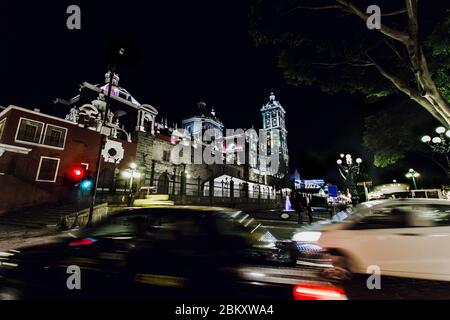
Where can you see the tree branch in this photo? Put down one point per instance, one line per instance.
(391, 33)
(440, 165)
(349, 63)
(412, 93)
(314, 8)
(347, 6)
(393, 13)
(394, 49)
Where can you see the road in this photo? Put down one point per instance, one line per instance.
(283, 229)
(16, 236)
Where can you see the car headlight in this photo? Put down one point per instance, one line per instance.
(307, 236)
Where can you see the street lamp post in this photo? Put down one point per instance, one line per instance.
(349, 171)
(414, 175)
(131, 173)
(440, 144)
(104, 118)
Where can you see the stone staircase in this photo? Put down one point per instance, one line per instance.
(38, 217)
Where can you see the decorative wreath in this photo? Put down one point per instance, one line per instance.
(113, 151)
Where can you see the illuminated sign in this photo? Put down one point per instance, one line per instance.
(312, 184)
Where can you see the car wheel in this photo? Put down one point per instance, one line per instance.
(340, 269)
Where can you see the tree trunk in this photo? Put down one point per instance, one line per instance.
(426, 94)
(426, 86)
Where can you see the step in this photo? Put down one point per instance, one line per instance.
(149, 203)
(157, 197)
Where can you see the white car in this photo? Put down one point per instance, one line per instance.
(407, 238)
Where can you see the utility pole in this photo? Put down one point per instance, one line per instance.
(103, 136)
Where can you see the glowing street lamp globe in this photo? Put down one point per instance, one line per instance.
(339, 162)
(359, 161)
(133, 165)
(440, 130)
(426, 139)
(436, 140)
(448, 133)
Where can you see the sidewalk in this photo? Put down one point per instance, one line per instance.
(32, 225)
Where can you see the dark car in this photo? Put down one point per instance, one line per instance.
(162, 253)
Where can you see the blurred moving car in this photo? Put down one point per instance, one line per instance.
(406, 239)
(162, 253)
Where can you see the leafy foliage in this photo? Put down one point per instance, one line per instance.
(333, 49)
(438, 45)
(394, 131)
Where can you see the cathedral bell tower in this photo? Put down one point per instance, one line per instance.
(274, 123)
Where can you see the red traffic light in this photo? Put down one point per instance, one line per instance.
(77, 173)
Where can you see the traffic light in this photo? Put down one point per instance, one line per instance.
(80, 178)
(77, 173)
(86, 184)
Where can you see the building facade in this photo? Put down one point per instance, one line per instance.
(37, 150)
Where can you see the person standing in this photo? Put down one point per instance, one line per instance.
(298, 206)
(309, 209)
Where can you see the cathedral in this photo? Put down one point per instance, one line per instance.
(52, 145)
(137, 123)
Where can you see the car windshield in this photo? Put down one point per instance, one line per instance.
(419, 213)
(360, 211)
(160, 223)
(242, 223)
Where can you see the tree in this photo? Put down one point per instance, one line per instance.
(393, 132)
(328, 43)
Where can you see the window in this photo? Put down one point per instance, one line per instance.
(55, 136)
(29, 131)
(123, 95)
(166, 155)
(386, 218)
(2, 127)
(432, 215)
(47, 170)
(120, 226)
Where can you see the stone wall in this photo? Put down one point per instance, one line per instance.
(153, 159)
(237, 203)
(17, 194)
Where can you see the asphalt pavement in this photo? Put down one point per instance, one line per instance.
(284, 229)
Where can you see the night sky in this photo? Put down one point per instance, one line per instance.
(178, 53)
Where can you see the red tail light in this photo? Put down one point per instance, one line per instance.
(318, 292)
(82, 242)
